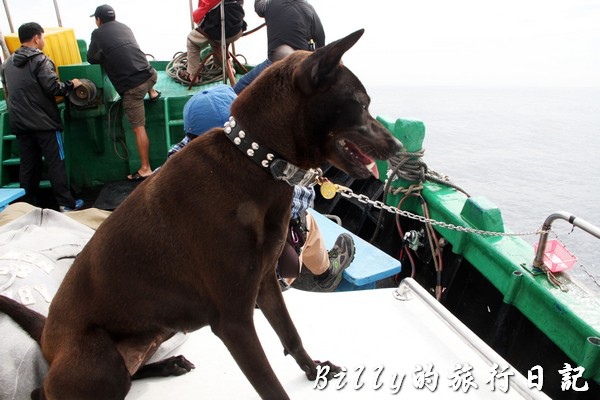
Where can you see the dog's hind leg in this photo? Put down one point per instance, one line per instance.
(238, 333)
(270, 300)
(89, 367)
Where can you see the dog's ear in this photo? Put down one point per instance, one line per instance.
(318, 71)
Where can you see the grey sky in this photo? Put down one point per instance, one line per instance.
(418, 42)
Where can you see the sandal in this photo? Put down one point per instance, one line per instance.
(135, 177)
(187, 79)
(155, 98)
(184, 76)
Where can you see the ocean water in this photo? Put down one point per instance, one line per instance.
(530, 151)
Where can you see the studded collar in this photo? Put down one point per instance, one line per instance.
(269, 160)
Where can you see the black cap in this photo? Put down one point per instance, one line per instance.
(104, 12)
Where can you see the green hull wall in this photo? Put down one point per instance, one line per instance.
(570, 319)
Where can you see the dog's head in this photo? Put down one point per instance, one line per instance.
(319, 111)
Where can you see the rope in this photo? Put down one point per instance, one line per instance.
(211, 72)
(410, 167)
(254, 30)
(553, 279)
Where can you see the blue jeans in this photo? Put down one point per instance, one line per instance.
(250, 76)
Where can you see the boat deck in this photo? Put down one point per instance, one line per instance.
(380, 340)
(381, 336)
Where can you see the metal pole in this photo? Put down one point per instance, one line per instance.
(192, 14)
(10, 24)
(57, 13)
(5, 51)
(570, 218)
(223, 44)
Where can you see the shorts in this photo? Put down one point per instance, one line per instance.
(133, 101)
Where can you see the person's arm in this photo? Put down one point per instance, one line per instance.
(204, 6)
(94, 53)
(49, 81)
(260, 6)
(319, 32)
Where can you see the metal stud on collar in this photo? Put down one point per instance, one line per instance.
(268, 159)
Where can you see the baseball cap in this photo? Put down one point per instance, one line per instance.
(207, 109)
(104, 12)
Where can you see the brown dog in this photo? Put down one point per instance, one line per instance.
(197, 244)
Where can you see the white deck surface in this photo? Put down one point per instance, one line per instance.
(361, 329)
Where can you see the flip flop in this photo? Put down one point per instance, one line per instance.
(155, 98)
(184, 76)
(136, 177)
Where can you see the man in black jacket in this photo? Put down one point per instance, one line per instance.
(30, 83)
(113, 46)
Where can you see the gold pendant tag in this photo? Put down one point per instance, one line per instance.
(328, 190)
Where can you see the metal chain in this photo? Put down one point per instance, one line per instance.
(361, 198)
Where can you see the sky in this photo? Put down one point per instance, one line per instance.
(417, 42)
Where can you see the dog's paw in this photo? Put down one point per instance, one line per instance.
(322, 368)
(177, 365)
(172, 366)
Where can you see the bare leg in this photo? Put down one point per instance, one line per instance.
(314, 254)
(143, 145)
(152, 93)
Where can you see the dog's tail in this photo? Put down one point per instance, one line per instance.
(31, 321)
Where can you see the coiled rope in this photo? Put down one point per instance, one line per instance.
(211, 71)
(410, 167)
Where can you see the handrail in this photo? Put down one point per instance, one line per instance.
(570, 218)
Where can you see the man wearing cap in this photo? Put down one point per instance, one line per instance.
(204, 110)
(114, 46)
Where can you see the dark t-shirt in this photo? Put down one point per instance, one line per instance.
(290, 22)
(113, 46)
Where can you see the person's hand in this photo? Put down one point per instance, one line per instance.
(76, 83)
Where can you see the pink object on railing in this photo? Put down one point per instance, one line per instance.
(557, 257)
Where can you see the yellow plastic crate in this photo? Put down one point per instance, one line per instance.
(61, 45)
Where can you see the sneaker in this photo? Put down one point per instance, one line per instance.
(78, 205)
(340, 257)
